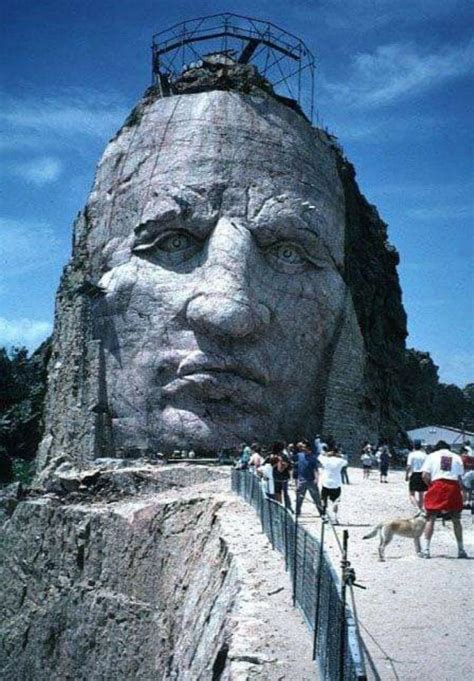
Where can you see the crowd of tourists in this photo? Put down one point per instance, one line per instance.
(308, 465)
(440, 482)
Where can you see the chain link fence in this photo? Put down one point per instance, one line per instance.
(317, 590)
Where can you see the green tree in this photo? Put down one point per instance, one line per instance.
(22, 390)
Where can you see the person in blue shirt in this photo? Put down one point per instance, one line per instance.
(307, 477)
(318, 445)
(245, 453)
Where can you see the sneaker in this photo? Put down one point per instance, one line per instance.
(425, 553)
(462, 554)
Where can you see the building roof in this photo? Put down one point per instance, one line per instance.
(430, 435)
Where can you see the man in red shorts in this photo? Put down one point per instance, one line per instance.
(442, 471)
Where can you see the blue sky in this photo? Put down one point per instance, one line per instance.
(393, 83)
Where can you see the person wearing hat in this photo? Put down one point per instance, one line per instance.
(416, 485)
(442, 471)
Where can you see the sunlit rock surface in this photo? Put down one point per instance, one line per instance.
(144, 573)
(228, 282)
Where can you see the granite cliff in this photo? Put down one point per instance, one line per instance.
(225, 258)
(228, 281)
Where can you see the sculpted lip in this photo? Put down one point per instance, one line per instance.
(220, 384)
(206, 365)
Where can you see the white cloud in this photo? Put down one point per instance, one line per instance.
(23, 331)
(396, 71)
(440, 212)
(380, 128)
(366, 15)
(60, 117)
(39, 171)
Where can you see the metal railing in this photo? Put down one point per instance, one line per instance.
(317, 589)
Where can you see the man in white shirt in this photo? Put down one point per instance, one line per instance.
(332, 464)
(442, 472)
(416, 484)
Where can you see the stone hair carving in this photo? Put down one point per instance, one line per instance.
(206, 302)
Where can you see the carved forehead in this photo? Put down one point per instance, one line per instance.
(220, 153)
(220, 137)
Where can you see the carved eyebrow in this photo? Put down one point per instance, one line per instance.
(174, 219)
(283, 227)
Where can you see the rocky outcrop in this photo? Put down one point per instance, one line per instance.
(371, 274)
(150, 586)
(228, 283)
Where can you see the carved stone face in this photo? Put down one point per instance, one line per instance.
(221, 253)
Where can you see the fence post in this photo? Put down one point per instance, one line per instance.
(344, 565)
(303, 569)
(286, 540)
(270, 518)
(295, 561)
(318, 590)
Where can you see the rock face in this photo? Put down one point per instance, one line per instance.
(157, 586)
(218, 289)
(371, 275)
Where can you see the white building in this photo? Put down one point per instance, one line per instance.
(430, 435)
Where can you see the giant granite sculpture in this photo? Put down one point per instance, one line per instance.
(218, 289)
(228, 280)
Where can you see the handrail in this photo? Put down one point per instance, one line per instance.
(318, 591)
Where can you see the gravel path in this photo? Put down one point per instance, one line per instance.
(270, 639)
(416, 614)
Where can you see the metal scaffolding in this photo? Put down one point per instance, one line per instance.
(280, 57)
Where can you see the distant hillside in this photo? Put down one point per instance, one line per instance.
(426, 401)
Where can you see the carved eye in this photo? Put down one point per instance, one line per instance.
(288, 253)
(171, 248)
(286, 256)
(173, 243)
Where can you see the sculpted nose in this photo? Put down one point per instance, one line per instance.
(224, 303)
(226, 315)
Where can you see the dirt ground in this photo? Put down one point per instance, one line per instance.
(415, 614)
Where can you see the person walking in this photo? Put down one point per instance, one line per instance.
(366, 460)
(318, 445)
(331, 479)
(344, 472)
(281, 476)
(442, 472)
(244, 458)
(266, 474)
(256, 459)
(416, 485)
(307, 477)
(384, 461)
(468, 477)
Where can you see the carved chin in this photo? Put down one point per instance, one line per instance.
(202, 427)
